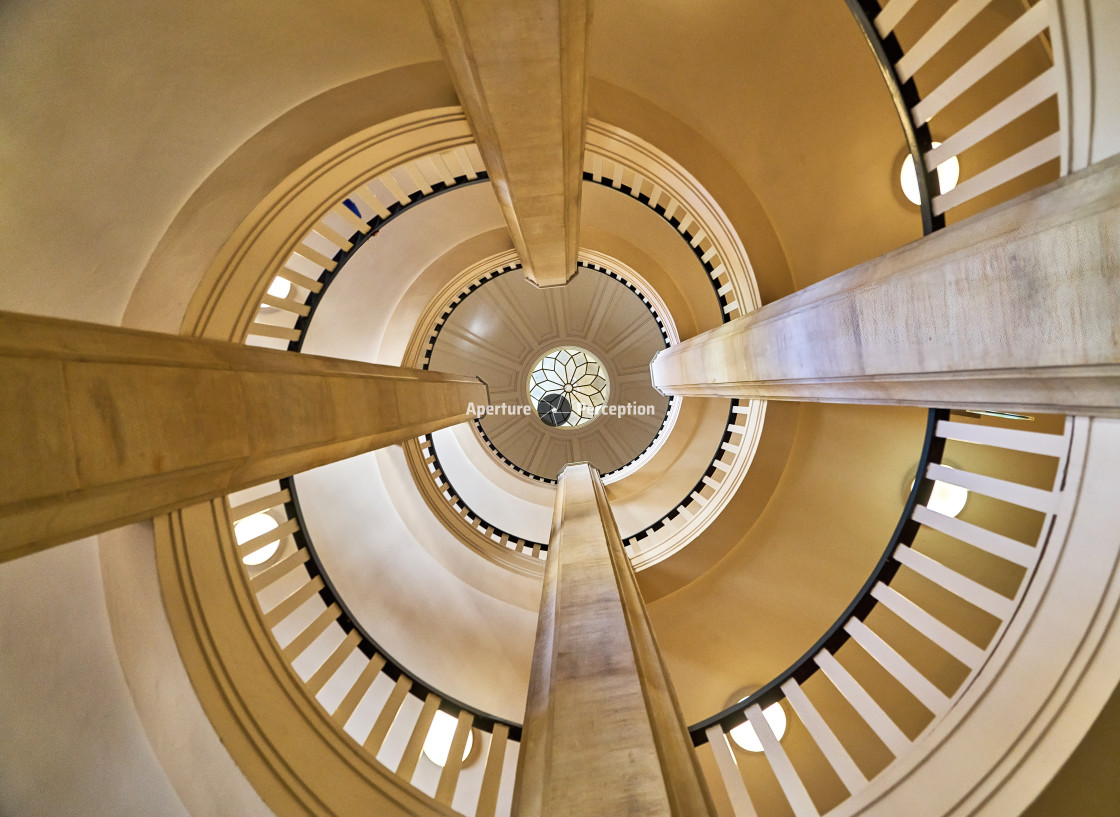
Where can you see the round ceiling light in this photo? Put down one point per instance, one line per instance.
(745, 736)
(441, 733)
(948, 174)
(568, 387)
(280, 288)
(249, 529)
(945, 498)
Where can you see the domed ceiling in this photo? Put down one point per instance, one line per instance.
(589, 399)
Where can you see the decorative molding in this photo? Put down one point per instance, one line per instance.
(231, 292)
(298, 760)
(665, 186)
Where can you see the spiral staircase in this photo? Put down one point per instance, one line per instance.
(791, 555)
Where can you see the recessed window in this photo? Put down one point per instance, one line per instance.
(745, 736)
(568, 387)
(248, 529)
(948, 174)
(441, 733)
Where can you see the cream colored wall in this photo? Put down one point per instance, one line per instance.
(392, 560)
(177, 729)
(493, 490)
(116, 114)
(269, 161)
(73, 743)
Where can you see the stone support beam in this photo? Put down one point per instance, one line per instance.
(603, 732)
(102, 426)
(520, 70)
(1015, 309)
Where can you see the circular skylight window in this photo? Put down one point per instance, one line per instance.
(568, 387)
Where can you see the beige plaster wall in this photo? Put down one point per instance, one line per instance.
(115, 113)
(73, 743)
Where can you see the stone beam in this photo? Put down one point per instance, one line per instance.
(102, 426)
(520, 70)
(603, 731)
(1015, 309)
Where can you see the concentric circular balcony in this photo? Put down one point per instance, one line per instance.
(908, 652)
(361, 633)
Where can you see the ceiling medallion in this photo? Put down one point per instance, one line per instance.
(568, 387)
